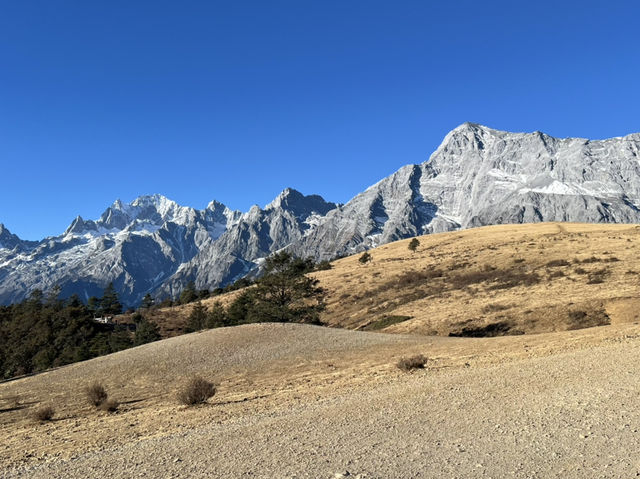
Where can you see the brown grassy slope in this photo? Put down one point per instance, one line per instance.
(507, 279)
(494, 280)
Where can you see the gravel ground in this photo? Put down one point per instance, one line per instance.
(573, 414)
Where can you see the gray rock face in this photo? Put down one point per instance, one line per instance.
(257, 233)
(154, 245)
(137, 246)
(478, 176)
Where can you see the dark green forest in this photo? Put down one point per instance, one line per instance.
(44, 332)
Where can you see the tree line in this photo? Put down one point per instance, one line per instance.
(284, 293)
(45, 331)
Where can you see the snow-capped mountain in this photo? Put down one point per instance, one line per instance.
(153, 245)
(259, 232)
(478, 176)
(138, 246)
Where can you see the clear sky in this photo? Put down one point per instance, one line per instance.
(236, 100)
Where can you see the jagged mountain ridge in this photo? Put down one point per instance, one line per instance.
(142, 247)
(477, 176)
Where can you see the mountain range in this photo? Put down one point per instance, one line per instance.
(478, 176)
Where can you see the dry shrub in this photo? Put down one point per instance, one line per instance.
(495, 307)
(511, 279)
(556, 274)
(557, 263)
(592, 259)
(109, 405)
(461, 265)
(414, 362)
(587, 319)
(96, 394)
(197, 391)
(410, 278)
(598, 276)
(386, 321)
(500, 328)
(44, 413)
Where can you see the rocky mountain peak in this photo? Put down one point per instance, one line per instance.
(477, 176)
(300, 205)
(9, 241)
(80, 226)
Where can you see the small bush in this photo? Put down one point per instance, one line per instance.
(556, 274)
(365, 258)
(460, 265)
(197, 391)
(413, 245)
(557, 263)
(592, 259)
(598, 276)
(109, 405)
(414, 362)
(323, 266)
(412, 277)
(495, 307)
(96, 394)
(44, 413)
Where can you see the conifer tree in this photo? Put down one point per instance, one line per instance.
(147, 301)
(197, 318)
(365, 258)
(146, 332)
(217, 316)
(285, 293)
(110, 304)
(189, 293)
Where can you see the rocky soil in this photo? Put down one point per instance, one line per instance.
(559, 404)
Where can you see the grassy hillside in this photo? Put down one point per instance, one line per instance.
(496, 280)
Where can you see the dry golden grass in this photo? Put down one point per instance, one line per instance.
(508, 279)
(523, 278)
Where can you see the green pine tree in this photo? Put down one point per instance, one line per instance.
(198, 318)
(146, 332)
(147, 301)
(217, 316)
(189, 293)
(110, 304)
(285, 293)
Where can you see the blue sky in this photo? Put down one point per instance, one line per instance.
(235, 101)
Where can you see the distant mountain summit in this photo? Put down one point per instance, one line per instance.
(153, 245)
(480, 176)
(477, 176)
